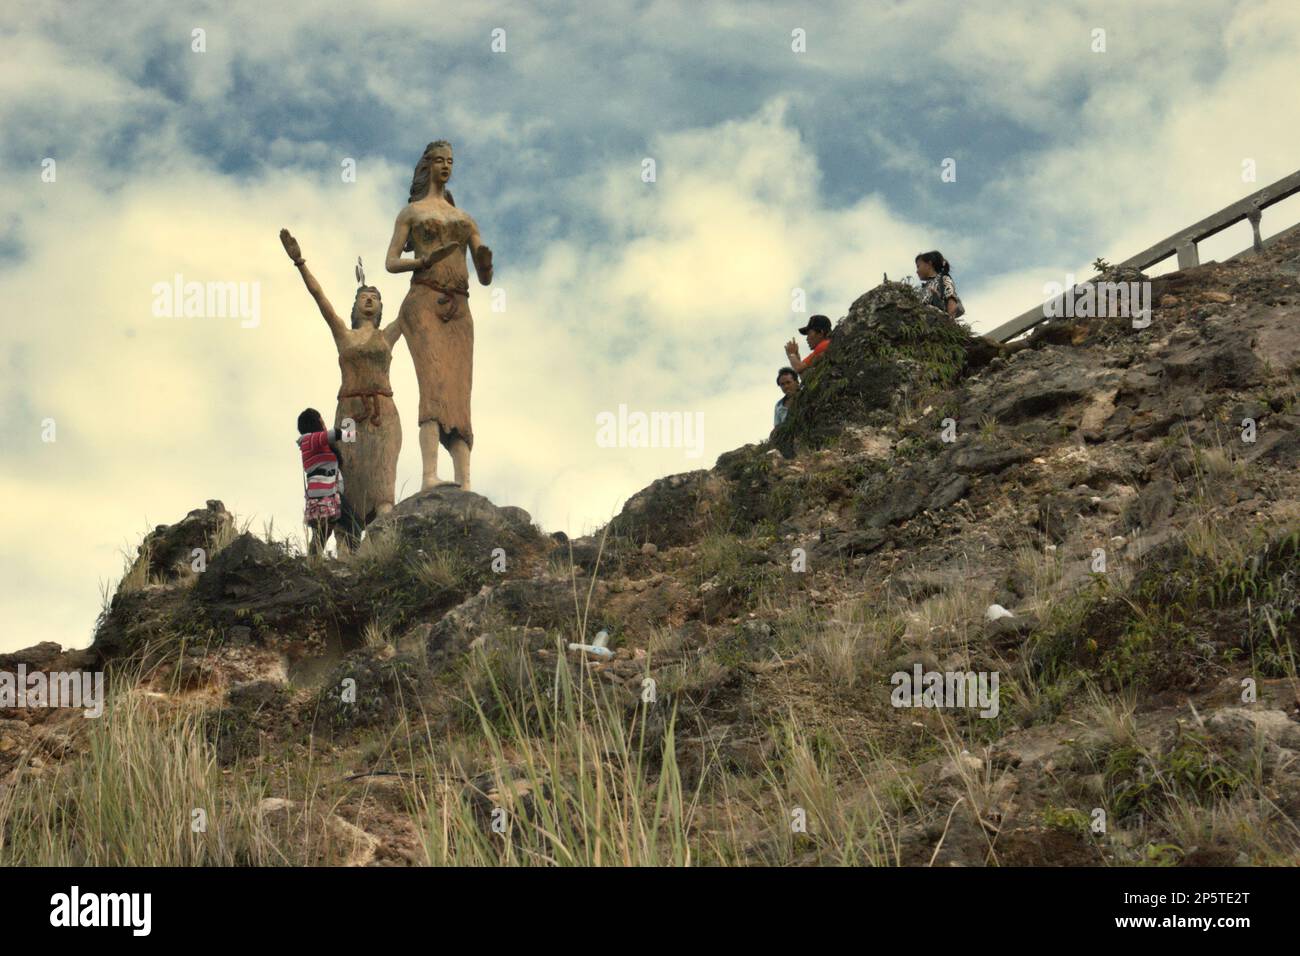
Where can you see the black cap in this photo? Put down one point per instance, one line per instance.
(818, 323)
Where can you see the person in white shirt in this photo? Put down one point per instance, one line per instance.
(937, 287)
(788, 380)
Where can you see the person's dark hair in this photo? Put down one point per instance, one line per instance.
(937, 262)
(379, 316)
(786, 371)
(422, 179)
(310, 421)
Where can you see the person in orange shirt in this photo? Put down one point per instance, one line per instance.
(818, 334)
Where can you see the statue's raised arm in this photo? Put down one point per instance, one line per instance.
(332, 319)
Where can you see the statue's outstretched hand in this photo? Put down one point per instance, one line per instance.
(290, 246)
(483, 264)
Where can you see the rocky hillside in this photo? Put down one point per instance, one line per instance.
(1101, 519)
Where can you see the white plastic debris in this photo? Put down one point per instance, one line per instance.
(596, 647)
(996, 612)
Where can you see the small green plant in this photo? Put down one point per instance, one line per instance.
(1162, 854)
(1142, 782)
(1068, 819)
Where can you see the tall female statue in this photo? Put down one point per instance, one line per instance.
(366, 397)
(435, 315)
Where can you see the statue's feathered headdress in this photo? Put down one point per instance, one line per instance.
(361, 273)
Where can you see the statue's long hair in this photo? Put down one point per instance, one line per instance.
(423, 177)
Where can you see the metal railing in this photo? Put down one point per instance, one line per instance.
(1181, 244)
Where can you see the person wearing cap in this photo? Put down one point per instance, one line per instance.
(818, 334)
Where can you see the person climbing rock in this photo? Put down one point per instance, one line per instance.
(322, 477)
(788, 381)
(818, 335)
(937, 287)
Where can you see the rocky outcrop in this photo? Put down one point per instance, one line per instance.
(671, 511)
(170, 551)
(888, 348)
(449, 519)
(256, 580)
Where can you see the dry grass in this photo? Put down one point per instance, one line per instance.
(570, 779)
(950, 620)
(849, 645)
(1257, 831)
(1113, 715)
(378, 547)
(1041, 572)
(851, 813)
(375, 635)
(975, 779)
(439, 571)
(132, 799)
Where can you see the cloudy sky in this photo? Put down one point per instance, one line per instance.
(775, 169)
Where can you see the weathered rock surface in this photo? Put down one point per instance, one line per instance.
(255, 580)
(465, 523)
(169, 551)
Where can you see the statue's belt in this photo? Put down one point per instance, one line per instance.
(449, 294)
(370, 403)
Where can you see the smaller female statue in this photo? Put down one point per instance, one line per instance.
(366, 397)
